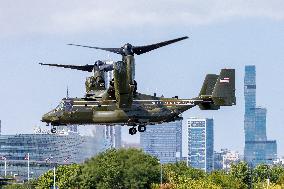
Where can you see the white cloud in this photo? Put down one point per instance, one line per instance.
(66, 16)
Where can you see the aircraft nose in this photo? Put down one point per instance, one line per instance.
(45, 118)
(49, 117)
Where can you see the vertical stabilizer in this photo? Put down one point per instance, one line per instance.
(224, 90)
(208, 85)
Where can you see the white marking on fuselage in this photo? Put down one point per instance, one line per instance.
(166, 102)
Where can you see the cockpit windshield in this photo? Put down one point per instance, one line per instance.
(65, 105)
(60, 106)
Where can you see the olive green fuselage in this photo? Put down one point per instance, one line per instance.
(145, 109)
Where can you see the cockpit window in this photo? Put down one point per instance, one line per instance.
(68, 105)
(60, 106)
(65, 105)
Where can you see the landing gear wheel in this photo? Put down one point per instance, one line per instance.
(141, 128)
(53, 130)
(132, 131)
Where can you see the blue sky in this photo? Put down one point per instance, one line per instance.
(222, 34)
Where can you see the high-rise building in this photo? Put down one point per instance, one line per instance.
(113, 136)
(200, 143)
(257, 148)
(163, 141)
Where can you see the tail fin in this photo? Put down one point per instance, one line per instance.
(208, 85)
(224, 90)
(206, 92)
(218, 90)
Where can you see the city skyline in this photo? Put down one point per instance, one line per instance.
(221, 35)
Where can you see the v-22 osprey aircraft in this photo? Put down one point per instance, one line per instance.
(121, 104)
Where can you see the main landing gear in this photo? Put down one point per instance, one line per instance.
(133, 130)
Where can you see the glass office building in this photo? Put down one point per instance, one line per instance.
(258, 152)
(45, 150)
(163, 141)
(257, 148)
(200, 143)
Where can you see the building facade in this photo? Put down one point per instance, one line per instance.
(200, 143)
(163, 141)
(257, 148)
(113, 136)
(42, 151)
(225, 158)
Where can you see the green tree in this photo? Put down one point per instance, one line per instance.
(224, 180)
(275, 174)
(242, 173)
(185, 182)
(280, 179)
(67, 176)
(123, 168)
(261, 173)
(172, 172)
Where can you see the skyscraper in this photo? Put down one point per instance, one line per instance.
(200, 143)
(163, 141)
(257, 148)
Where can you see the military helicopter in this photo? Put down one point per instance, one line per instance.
(121, 104)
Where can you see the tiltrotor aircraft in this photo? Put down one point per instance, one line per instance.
(121, 104)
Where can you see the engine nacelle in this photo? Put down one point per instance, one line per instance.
(124, 81)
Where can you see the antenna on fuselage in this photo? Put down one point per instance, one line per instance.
(67, 93)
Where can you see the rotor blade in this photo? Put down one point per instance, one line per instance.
(143, 49)
(113, 50)
(87, 68)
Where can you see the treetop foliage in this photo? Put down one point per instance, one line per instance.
(132, 168)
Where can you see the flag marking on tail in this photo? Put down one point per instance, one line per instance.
(225, 80)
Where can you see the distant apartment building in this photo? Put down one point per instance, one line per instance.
(163, 141)
(257, 148)
(200, 143)
(225, 158)
(279, 161)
